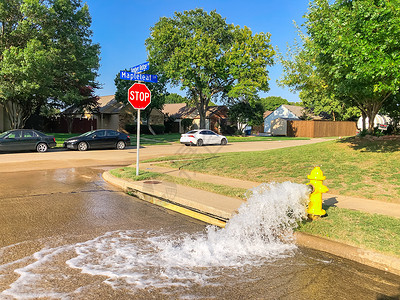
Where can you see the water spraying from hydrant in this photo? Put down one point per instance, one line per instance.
(316, 177)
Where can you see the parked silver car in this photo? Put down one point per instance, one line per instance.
(203, 137)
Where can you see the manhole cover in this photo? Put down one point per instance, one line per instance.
(152, 182)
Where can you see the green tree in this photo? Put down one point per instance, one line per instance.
(209, 58)
(355, 45)
(46, 56)
(158, 93)
(245, 113)
(175, 98)
(273, 102)
(301, 75)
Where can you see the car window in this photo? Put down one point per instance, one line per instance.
(14, 134)
(4, 134)
(211, 133)
(191, 132)
(28, 134)
(87, 133)
(111, 133)
(100, 133)
(38, 133)
(203, 132)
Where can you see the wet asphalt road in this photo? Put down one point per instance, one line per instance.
(60, 208)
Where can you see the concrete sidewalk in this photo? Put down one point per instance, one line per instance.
(365, 205)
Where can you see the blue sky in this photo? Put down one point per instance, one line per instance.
(122, 26)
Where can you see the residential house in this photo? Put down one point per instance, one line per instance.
(128, 116)
(107, 113)
(173, 115)
(284, 111)
(216, 116)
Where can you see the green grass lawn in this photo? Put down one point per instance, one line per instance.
(368, 231)
(356, 168)
(168, 138)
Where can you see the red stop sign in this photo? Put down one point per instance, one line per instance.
(139, 96)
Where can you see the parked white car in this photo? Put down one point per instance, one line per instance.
(202, 137)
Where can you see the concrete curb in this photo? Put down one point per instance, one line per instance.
(219, 218)
(366, 257)
(171, 201)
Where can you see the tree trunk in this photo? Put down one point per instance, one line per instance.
(70, 122)
(15, 115)
(148, 113)
(363, 119)
(202, 109)
(151, 129)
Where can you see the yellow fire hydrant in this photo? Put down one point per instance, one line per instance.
(318, 188)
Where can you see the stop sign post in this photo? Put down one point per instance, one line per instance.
(139, 96)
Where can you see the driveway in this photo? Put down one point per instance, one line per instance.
(60, 158)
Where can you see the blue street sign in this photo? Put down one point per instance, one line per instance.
(139, 77)
(141, 68)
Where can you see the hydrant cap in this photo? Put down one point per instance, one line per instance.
(316, 174)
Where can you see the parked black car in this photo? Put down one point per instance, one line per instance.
(98, 139)
(26, 139)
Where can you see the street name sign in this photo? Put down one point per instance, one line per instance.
(138, 77)
(141, 68)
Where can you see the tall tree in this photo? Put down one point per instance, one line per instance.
(272, 102)
(245, 113)
(46, 53)
(209, 58)
(356, 49)
(301, 75)
(175, 98)
(158, 93)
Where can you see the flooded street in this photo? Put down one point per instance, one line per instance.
(66, 234)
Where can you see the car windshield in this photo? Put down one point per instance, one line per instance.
(2, 135)
(191, 132)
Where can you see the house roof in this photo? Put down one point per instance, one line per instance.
(181, 111)
(298, 111)
(108, 105)
(219, 110)
(267, 113)
(103, 100)
(105, 105)
(176, 110)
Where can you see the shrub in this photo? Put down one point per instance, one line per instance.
(144, 129)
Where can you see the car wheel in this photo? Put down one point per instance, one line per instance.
(199, 142)
(82, 146)
(224, 142)
(41, 147)
(121, 145)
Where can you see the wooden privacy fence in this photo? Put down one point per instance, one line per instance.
(314, 129)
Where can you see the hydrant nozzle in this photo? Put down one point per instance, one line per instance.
(318, 188)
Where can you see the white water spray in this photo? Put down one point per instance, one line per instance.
(261, 231)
